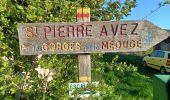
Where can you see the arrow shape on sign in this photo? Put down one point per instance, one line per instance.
(92, 37)
(153, 35)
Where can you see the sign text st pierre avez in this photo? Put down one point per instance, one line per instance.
(88, 37)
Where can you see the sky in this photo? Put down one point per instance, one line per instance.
(161, 17)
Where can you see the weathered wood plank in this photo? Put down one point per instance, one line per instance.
(88, 37)
(84, 63)
(84, 60)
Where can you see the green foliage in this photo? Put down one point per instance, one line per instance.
(136, 60)
(121, 80)
(18, 77)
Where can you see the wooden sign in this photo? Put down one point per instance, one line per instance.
(88, 37)
(86, 92)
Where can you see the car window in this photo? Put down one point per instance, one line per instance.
(154, 54)
(160, 54)
(168, 55)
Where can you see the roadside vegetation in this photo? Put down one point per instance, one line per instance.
(122, 74)
(121, 77)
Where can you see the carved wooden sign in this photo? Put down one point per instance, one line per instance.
(88, 37)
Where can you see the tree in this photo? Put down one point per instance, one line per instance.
(15, 68)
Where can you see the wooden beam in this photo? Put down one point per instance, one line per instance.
(84, 64)
(84, 60)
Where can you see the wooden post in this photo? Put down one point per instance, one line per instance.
(84, 63)
(84, 60)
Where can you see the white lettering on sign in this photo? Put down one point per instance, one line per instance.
(73, 86)
(81, 85)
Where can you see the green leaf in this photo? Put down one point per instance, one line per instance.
(19, 7)
(2, 8)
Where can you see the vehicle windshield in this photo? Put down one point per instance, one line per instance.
(159, 54)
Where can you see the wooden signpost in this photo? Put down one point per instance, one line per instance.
(85, 37)
(84, 60)
(88, 37)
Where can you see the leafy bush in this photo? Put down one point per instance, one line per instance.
(122, 81)
(14, 83)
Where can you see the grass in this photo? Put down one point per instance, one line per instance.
(136, 85)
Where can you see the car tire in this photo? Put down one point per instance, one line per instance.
(162, 70)
(145, 64)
